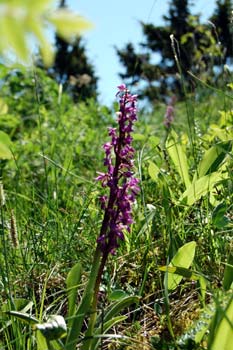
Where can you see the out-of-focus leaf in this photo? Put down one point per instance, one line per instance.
(139, 137)
(15, 36)
(68, 24)
(45, 47)
(154, 141)
(21, 19)
(3, 107)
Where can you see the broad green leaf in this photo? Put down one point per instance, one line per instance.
(3, 107)
(4, 138)
(45, 46)
(117, 294)
(5, 143)
(153, 170)
(15, 35)
(154, 141)
(212, 159)
(183, 258)
(224, 333)
(228, 272)
(138, 137)
(39, 6)
(40, 341)
(5, 152)
(68, 24)
(219, 220)
(181, 271)
(21, 19)
(72, 282)
(178, 155)
(201, 187)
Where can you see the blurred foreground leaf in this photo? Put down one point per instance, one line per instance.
(22, 19)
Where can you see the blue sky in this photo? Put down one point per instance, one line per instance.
(116, 22)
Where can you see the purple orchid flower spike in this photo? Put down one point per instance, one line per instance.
(119, 178)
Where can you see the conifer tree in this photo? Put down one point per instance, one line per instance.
(192, 50)
(223, 22)
(72, 68)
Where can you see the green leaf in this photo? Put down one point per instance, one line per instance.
(21, 305)
(219, 220)
(181, 271)
(46, 48)
(21, 19)
(84, 306)
(111, 318)
(212, 159)
(102, 329)
(117, 307)
(154, 141)
(139, 137)
(178, 155)
(72, 281)
(5, 153)
(23, 317)
(183, 258)
(224, 332)
(5, 143)
(3, 107)
(41, 341)
(15, 36)
(228, 272)
(153, 170)
(201, 187)
(68, 24)
(4, 138)
(117, 294)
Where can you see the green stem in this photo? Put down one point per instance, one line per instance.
(92, 321)
(85, 304)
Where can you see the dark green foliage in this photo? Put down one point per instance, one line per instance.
(73, 69)
(164, 62)
(134, 62)
(222, 19)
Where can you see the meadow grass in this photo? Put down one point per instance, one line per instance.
(51, 215)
